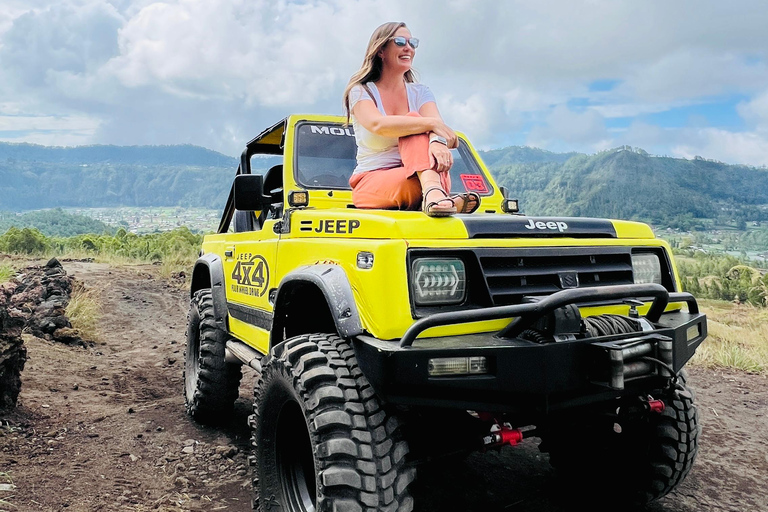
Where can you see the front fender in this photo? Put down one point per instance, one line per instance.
(209, 273)
(332, 281)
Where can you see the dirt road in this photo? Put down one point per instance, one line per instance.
(104, 429)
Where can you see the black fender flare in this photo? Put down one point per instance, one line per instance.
(209, 273)
(332, 281)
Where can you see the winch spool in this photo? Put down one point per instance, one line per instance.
(606, 325)
(565, 324)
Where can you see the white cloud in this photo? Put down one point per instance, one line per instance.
(214, 72)
(75, 39)
(563, 125)
(57, 123)
(690, 73)
(733, 147)
(755, 113)
(477, 115)
(260, 52)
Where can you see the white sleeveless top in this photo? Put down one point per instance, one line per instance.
(374, 151)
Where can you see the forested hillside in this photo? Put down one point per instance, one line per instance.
(627, 183)
(35, 177)
(622, 183)
(55, 222)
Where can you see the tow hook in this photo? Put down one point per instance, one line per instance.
(501, 435)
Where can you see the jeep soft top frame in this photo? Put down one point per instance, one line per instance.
(268, 142)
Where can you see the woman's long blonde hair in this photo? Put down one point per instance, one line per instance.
(370, 71)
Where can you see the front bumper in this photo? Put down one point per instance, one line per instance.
(524, 376)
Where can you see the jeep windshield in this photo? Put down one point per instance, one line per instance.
(325, 158)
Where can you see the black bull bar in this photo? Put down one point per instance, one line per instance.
(527, 314)
(525, 372)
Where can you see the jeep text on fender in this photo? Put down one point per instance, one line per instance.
(384, 338)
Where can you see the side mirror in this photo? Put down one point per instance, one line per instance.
(249, 193)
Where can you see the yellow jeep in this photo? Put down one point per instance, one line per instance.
(386, 338)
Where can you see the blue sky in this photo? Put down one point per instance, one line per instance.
(679, 78)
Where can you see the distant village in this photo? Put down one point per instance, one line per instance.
(155, 219)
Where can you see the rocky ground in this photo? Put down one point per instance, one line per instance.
(103, 428)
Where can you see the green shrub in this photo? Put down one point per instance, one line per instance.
(179, 245)
(24, 241)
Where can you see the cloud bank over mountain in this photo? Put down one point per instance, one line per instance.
(684, 78)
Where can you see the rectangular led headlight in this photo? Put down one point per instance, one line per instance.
(445, 366)
(438, 281)
(646, 268)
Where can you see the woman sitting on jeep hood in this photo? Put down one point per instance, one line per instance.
(403, 145)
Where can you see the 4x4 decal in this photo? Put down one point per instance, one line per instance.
(251, 273)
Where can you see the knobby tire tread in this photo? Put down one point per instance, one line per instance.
(669, 447)
(218, 382)
(359, 450)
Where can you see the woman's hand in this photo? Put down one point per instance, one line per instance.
(439, 127)
(442, 156)
(443, 130)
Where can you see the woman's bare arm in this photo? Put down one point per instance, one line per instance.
(368, 115)
(429, 109)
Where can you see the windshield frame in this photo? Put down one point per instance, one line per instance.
(464, 151)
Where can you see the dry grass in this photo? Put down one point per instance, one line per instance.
(7, 271)
(84, 312)
(738, 337)
(6, 486)
(178, 271)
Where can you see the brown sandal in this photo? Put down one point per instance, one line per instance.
(433, 208)
(470, 204)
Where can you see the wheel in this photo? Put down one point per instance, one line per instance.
(210, 383)
(321, 439)
(637, 457)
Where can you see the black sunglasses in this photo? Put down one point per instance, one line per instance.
(401, 41)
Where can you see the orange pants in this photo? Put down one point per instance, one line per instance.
(398, 188)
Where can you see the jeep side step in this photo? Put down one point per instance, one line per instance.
(239, 352)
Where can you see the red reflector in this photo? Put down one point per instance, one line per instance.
(656, 406)
(511, 437)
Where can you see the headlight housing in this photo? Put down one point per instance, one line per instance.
(646, 268)
(438, 281)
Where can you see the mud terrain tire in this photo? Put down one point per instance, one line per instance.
(210, 383)
(647, 459)
(321, 439)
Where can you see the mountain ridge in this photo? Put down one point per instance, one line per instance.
(623, 182)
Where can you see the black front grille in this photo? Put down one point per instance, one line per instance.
(511, 274)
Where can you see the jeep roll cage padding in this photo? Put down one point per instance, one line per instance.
(209, 273)
(332, 282)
